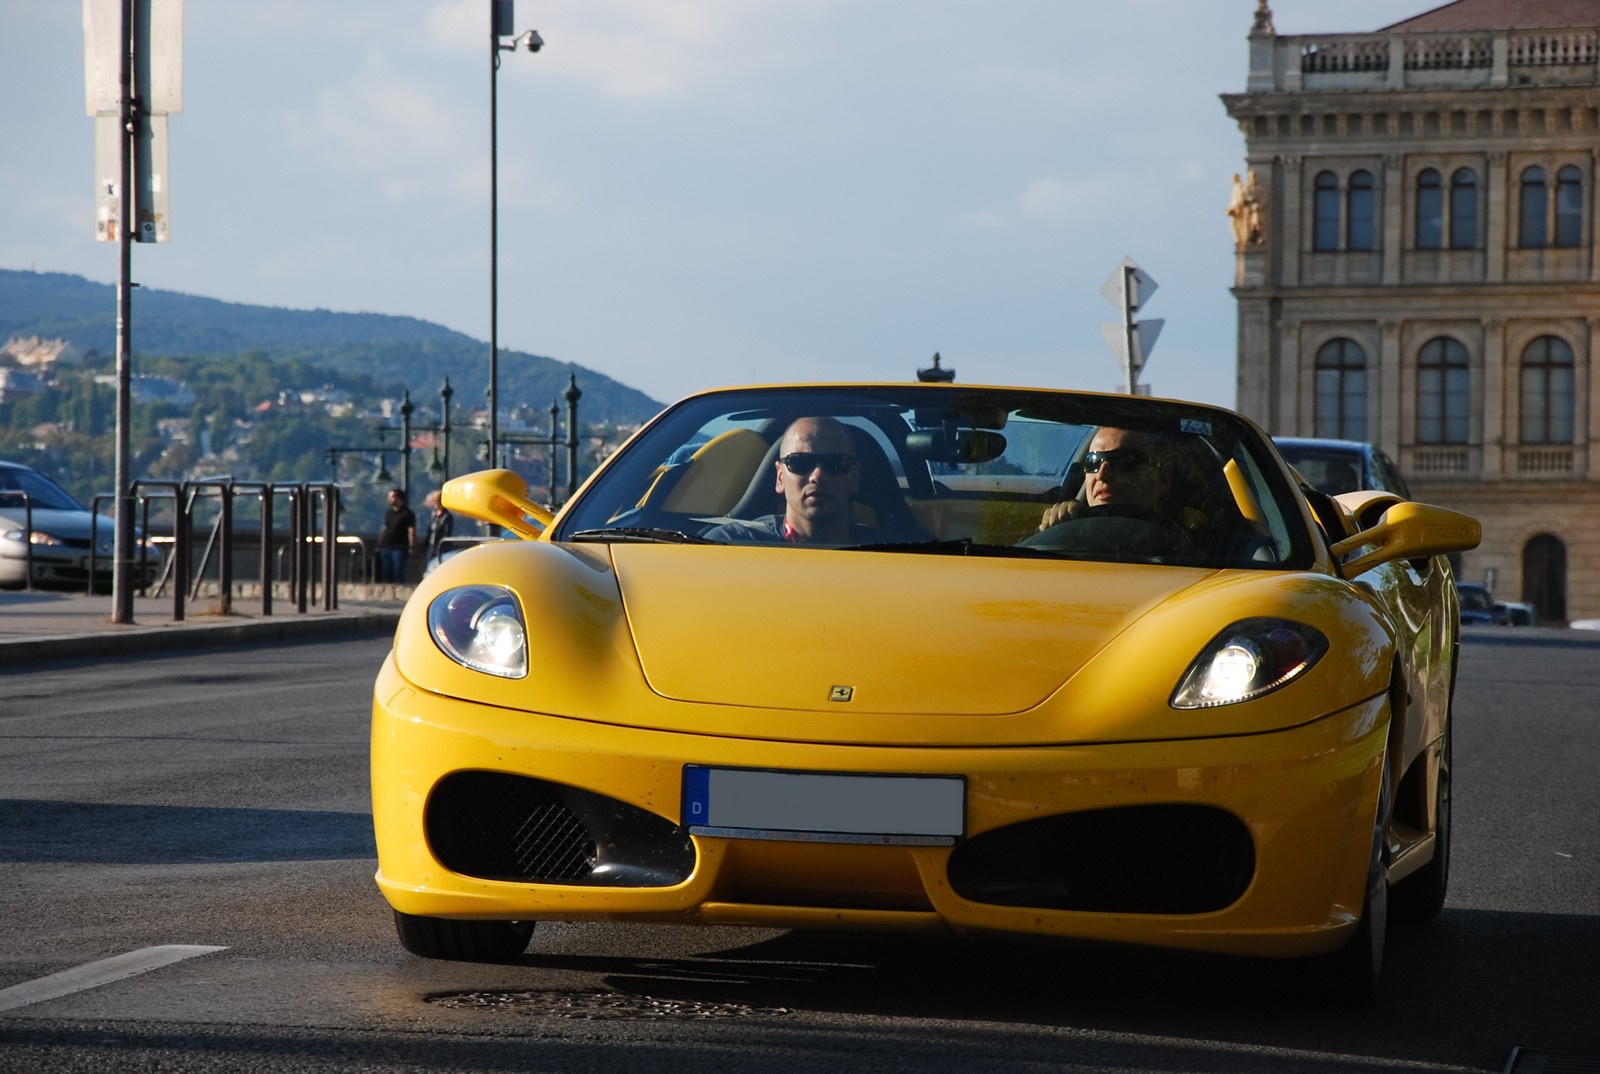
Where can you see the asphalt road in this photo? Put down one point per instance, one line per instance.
(219, 800)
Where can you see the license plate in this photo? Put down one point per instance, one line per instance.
(823, 807)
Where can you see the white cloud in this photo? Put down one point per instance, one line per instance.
(386, 125)
(645, 50)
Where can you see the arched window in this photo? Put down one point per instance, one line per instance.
(1430, 210)
(1464, 209)
(1341, 402)
(1363, 213)
(1547, 392)
(1569, 207)
(1544, 577)
(1325, 227)
(1533, 204)
(1444, 402)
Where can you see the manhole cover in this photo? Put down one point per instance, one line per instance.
(597, 1005)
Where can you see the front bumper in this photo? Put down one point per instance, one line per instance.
(67, 566)
(1292, 809)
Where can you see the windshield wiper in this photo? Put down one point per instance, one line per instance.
(639, 534)
(958, 546)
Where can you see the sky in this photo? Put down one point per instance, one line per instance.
(691, 193)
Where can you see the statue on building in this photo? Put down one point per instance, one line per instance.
(1263, 20)
(1248, 210)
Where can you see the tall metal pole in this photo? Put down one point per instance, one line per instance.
(121, 571)
(1130, 328)
(494, 232)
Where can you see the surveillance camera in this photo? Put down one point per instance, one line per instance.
(535, 42)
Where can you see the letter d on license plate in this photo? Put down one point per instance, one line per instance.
(824, 807)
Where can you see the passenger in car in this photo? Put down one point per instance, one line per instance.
(819, 477)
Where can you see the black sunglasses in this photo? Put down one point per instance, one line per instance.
(1125, 458)
(832, 462)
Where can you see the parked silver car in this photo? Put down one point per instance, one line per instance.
(62, 532)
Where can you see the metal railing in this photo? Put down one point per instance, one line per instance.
(209, 502)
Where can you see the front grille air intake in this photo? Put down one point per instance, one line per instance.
(499, 826)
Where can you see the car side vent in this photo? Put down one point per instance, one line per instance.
(499, 826)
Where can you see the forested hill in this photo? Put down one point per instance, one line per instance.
(402, 351)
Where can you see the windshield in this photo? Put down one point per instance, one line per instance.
(44, 494)
(947, 469)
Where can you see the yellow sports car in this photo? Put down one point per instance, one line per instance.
(928, 657)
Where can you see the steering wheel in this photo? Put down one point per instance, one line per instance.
(1116, 528)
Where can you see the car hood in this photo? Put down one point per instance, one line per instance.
(881, 648)
(67, 525)
(891, 633)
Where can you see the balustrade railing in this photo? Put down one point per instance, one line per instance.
(1553, 461)
(1397, 59)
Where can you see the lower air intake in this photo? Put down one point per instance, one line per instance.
(1155, 859)
(498, 826)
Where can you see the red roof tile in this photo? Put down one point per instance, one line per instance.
(1504, 15)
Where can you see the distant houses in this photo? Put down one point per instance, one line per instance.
(32, 352)
(151, 389)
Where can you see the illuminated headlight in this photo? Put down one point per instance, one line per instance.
(1251, 658)
(39, 538)
(480, 627)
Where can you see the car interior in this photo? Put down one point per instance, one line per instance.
(927, 479)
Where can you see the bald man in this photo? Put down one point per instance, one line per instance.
(818, 474)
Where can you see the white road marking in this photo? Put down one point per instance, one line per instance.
(95, 974)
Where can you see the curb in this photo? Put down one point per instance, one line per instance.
(17, 654)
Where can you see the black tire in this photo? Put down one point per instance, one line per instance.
(1350, 975)
(463, 941)
(1419, 897)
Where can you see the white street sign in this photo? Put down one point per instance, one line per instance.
(158, 65)
(1140, 285)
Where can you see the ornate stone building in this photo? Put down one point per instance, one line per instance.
(1416, 267)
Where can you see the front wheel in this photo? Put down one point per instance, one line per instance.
(1350, 974)
(463, 941)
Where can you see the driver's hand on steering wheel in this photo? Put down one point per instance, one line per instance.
(1055, 514)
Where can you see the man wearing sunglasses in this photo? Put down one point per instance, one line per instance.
(1122, 469)
(819, 475)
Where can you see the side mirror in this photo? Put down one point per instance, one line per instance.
(1407, 531)
(497, 496)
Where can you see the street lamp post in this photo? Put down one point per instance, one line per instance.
(501, 23)
(405, 444)
(572, 394)
(444, 410)
(555, 417)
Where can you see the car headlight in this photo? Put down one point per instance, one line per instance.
(480, 627)
(1251, 658)
(39, 537)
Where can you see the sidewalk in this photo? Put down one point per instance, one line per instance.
(51, 625)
